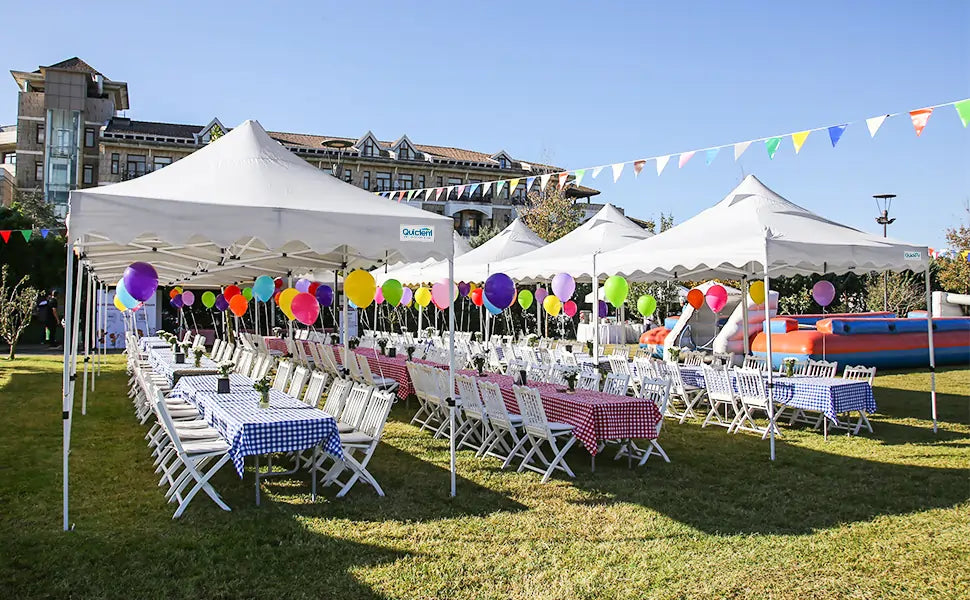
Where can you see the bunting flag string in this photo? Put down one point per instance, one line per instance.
(27, 234)
(919, 117)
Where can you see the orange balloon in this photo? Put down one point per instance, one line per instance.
(173, 293)
(695, 298)
(238, 305)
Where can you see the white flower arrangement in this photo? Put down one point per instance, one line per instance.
(226, 367)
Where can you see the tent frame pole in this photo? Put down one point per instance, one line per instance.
(451, 369)
(87, 344)
(65, 380)
(932, 350)
(771, 368)
(744, 315)
(596, 313)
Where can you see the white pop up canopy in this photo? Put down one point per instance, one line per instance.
(408, 271)
(241, 207)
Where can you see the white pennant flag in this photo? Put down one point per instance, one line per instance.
(485, 187)
(661, 163)
(428, 194)
(874, 124)
(617, 169)
(543, 180)
(739, 149)
(596, 171)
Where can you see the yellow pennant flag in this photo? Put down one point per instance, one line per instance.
(512, 185)
(798, 139)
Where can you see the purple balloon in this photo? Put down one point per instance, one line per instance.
(324, 295)
(541, 294)
(823, 292)
(463, 289)
(302, 285)
(177, 301)
(407, 294)
(188, 298)
(563, 286)
(500, 290)
(141, 280)
(603, 310)
(221, 303)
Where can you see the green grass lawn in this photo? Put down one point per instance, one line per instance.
(880, 515)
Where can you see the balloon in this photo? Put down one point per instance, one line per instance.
(525, 299)
(263, 288)
(541, 294)
(407, 294)
(230, 291)
(278, 283)
(569, 307)
(324, 295)
(177, 301)
(500, 290)
(563, 286)
(173, 293)
(823, 292)
(360, 288)
(314, 286)
(247, 293)
(379, 296)
(302, 284)
(305, 308)
(208, 299)
(463, 289)
(716, 298)
(615, 290)
(286, 302)
(188, 298)
(392, 291)
(695, 298)
(127, 299)
(238, 305)
(439, 293)
(602, 309)
(478, 296)
(552, 305)
(757, 291)
(119, 305)
(491, 308)
(221, 303)
(141, 280)
(422, 297)
(646, 304)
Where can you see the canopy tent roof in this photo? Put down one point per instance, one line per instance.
(753, 226)
(608, 229)
(241, 207)
(514, 240)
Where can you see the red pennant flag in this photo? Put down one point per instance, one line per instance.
(562, 179)
(920, 117)
(638, 166)
(5, 234)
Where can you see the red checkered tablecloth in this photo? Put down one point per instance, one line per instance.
(275, 343)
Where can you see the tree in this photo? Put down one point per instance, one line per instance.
(953, 272)
(551, 214)
(16, 305)
(905, 293)
(484, 234)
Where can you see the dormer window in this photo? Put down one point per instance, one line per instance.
(370, 149)
(503, 162)
(405, 153)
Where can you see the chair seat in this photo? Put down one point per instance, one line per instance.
(560, 427)
(183, 413)
(198, 433)
(345, 428)
(197, 424)
(355, 438)
(205, 446)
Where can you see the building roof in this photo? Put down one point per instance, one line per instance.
(72, 64)
(176, 130)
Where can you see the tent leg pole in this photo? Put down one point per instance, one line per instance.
(65, 381)
(87, 346)
(596, 314)
(771, 368)
(451, 367)
(932, 350)
(744, 315)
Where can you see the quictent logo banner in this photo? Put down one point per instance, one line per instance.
(417, 233)
(914, 255)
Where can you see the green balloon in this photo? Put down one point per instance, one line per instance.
(646, 304)
(525, 299)
(247, 293)
(208, 299)
(393, 291)
(615, 290)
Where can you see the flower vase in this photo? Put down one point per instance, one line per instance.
(571, 386)
(198, 362)
(179, 358)
(223, 383)
(392, 352)
(264, 399)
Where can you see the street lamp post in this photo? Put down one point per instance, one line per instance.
(883, 204)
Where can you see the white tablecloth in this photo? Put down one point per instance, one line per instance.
(610, 333)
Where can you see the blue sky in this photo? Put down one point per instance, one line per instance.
(572, 84)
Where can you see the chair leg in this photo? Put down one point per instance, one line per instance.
(558, 460)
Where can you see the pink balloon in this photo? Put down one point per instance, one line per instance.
(541, 294)
(716, 298)
(305, 308)
(379, 295)
(406, 296)
(823, 292)
(439, 293)
(570, 308)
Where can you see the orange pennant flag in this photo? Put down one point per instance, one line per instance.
(920, 117)
(562, 179)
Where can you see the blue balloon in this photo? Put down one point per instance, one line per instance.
(123, 295)
(489, 306)
(264, 288)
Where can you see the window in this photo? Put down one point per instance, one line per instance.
(405, 181)
(383, 181)
(115, 160)
(405, 152)
(503, 162)
(454, 181)
(348, 176)
(89, 137)
(365, 182)
(9, 158)
(41, 133)
(421, 181)
(369, 149)
(160, 162)
(478, 190)
(38, 171)
(136, 165)
(440, 182)
(88, 177)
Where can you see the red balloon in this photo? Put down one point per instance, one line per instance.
(238, 305)
(570, 308)
(695, 298)
(313, 288)
(230, 292)
(476, 296)
(278, 283)
(173, 293)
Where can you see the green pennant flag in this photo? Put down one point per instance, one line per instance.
(963, 109)
(772, 145)
(26, 233)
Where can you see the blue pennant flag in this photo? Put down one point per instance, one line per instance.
(528, 184)
(44, 232)
(471, 189)
(835, 132)
(711, 154)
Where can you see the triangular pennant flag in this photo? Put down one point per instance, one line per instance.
(661, 163)
(471, 190)
(485, 187)
(772, 146)
(544, 181)
(874, 124)
(428, 193)
(835, 132)
(437, 193)
(920, 117)
(44, 232)
(528, 183)
(513, 184)
(26, 233)
(562, 179)
(498, 187)
(461, 191)
(739, 149)
(617, 169)
(596, 171)
(5, 234)
(400, 196)
(684, 157)
(638, 166)
(798, 139)
(963, 109)
(711, 154)
(411, 194)
(579, 175)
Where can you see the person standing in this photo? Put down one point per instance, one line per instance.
(52, 319)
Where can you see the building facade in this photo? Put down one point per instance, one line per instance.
(69, 135)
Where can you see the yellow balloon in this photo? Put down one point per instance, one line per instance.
(360, 288)
(757, 292)
(552, 305)
(119, 305)
(422, 297)
(286, 301)
(472, 287)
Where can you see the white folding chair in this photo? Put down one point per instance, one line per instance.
(821, 368)
(264, 363)
(539, 431)
(282, 377)
(314, 389)
(720, 393)
(299, 378)
(359, 446)
(859, 373)
(503, 428)
(354, 407)
(381, 383)
(617, 384)
(658, 392)
(474, 426)
(334, 404)
(758, 363)
(753, 397)
(588, 381)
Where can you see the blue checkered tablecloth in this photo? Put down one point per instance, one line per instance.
(828, 395)
(287, 425)
(152, 342)
(162, 361)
